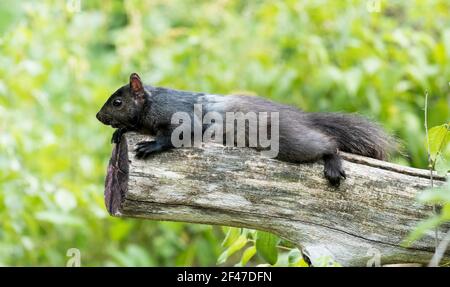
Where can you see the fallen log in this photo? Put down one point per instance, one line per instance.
(364, 220)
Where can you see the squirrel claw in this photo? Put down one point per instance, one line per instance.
(145, 148)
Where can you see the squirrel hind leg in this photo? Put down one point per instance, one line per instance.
(333, 169)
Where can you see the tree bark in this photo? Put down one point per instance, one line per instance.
(363, 221)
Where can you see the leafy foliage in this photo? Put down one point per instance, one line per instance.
(246, 243)
(439, 141)
(439, 146)
(266, 245)
(58, 65)
(440, 196)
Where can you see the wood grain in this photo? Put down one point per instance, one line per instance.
(367, 217)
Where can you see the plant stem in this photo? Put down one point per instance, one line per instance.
(431, 167)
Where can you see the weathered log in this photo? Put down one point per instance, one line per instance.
(366, 218)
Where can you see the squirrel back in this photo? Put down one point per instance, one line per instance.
(347, 132)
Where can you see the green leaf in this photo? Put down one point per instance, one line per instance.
(445, 213)
(237, 245)
(247, 255)
(296, 259)
(266, 245)
(421, 229)
(438, 138)
(442, 162)
(232, 234)
(435, 195)
(302, 263)
(442, 165)
(294, 256)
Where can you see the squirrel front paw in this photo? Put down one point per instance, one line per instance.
(146, 148)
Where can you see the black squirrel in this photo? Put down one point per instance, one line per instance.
(303, 137)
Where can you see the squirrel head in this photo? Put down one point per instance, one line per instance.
(124, 107)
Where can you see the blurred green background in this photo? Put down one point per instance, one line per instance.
(59, 62)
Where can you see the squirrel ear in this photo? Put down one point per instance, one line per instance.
(136, 84)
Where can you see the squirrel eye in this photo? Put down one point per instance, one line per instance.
(117, 102)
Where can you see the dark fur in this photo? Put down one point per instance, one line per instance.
(304, 137)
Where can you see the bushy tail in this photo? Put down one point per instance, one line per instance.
(355, 134)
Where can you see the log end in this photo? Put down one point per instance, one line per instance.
(116, 182)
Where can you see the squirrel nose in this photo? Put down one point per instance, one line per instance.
(104, 120)
(100, 118)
